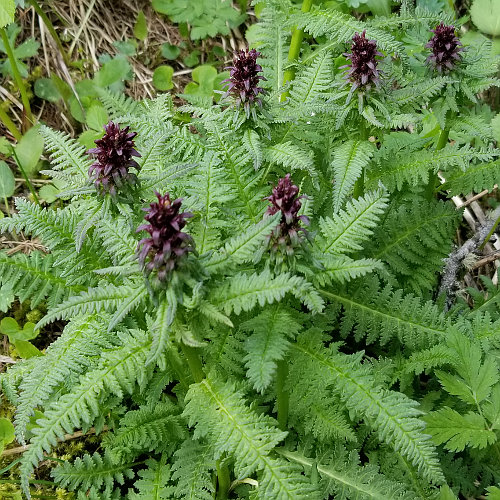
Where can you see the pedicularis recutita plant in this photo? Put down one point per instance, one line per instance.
(211, 368)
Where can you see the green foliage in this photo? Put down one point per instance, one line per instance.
(207, 17)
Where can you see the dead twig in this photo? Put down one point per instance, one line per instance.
(486, 260)
(455, 260)
(67, 437)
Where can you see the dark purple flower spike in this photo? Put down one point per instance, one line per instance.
(362, 70)
(285, 198)
(446, 48)
(114, 156)
(244, 79)
(167, 245)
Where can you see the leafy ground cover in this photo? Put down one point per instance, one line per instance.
(308, 308)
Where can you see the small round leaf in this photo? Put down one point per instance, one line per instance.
(162, 77)
(46, 89)
(170, 51)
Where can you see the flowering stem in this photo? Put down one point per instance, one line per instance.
(194, 362)
(17, 76)
(294, 50)
(281, 394)
(359, 185)
(223, 479)
(443, 139)
(441, 143)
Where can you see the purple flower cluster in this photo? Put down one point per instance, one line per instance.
(167, 245)
(285, 198)
(114, 157)
(363, 70)
(446, 48)
(244, 79)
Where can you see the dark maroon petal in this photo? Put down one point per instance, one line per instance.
(114, 154)
(167, 244)
(243, 83)
(363, 68)
(445, 46)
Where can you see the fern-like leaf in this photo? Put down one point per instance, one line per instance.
(348, 229)
(91, 471)
(349, 160)
(153, 484)
(219, 412)
(118, 372)
(392, 415)
(192, 470)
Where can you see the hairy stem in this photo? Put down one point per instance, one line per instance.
(223, 480)
(281, 394)
(194, 362)
(17, 76)
(9, 124)
(52, 31)
(294, 50)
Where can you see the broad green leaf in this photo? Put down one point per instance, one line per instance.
(486, 16)
(205, 76)
(170, 51)
(27, 49)
(89, 137)
(29, 149)
(97, 117)
(162, 77)
(48, 193)
(7, 181)
(7, 434)
(46, 89)
(126, 47)
(7, 9)
(26, 349)
(192, 59)
(113, 71)
(141, 27)
(9, 326)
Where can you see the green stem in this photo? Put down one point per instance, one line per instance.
(443, 139)
(224, 481)
(433, 184)
(33, 481)
(178, 367)
(359, 185)
(6, 201)
(52, 31)
(194, 362)
(17, 76)
(11, 127)
(26, 178)
(490, 234)
(294, 50)
(281, 394)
